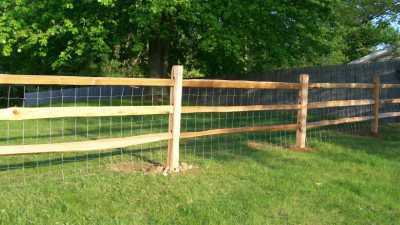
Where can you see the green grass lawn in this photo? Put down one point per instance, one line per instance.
(348, 180)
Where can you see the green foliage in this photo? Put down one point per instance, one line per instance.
(213, 37)
(366, 24)
(50, 35)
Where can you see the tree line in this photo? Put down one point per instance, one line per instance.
(213, 37)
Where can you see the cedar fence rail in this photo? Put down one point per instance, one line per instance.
(175, 109)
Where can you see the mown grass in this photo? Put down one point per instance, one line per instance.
(350, 180)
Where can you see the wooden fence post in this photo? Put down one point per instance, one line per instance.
(301, 133)
(174, 127)
(377, 104)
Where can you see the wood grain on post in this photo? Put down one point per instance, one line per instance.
(376, 106)
(174, 127)
(301, 133)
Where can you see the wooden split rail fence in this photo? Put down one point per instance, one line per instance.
(175, 109)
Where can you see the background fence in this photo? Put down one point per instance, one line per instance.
(83, 124)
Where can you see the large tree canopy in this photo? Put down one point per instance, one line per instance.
(211, 37)
(366, 24)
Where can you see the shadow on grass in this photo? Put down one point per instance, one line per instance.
(253, 146)
(137, 154)
(229, 147)
(384, 146)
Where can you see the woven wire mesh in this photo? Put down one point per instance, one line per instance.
(388, 71)
(229, 145)
(14, 169)
(17, 169)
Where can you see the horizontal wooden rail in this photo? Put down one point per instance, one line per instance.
(16, 113)
(286, 127)
(391, 101)
(324, 123)
(113, 143)
(350, 85)
(390, 85)
(84, 146)
(19, 113)
(340, 103)
(340, 85)
(26, 113)
(81, 81)
(389, 115)
(205, 109)
(123, 81)
(239, 84)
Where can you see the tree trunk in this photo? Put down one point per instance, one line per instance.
(158, 52)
